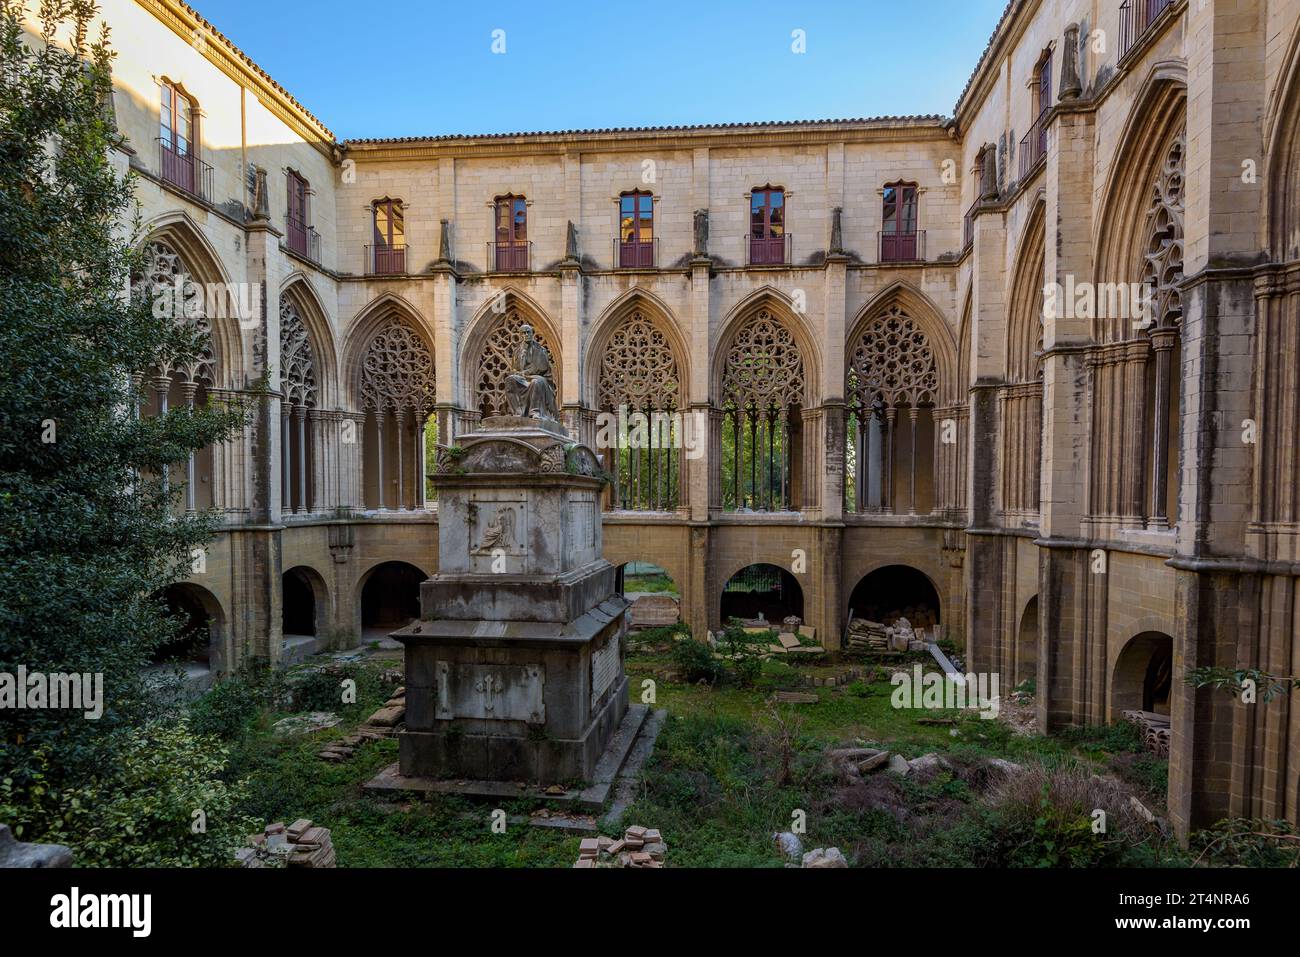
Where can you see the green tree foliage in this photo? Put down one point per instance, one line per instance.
(89, 533)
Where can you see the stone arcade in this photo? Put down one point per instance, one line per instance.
(514, 670)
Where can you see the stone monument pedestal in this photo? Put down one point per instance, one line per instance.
(514, 671)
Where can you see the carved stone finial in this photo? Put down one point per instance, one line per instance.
(837, 233)
(444, 241)
(261, 195)
(701, 233)
(1071, 87)
(571, 243)
(989, 176)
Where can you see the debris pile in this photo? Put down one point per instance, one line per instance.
(300, 844)
(1154, 728)
(868, 635)
(382, 724)
(641, 847)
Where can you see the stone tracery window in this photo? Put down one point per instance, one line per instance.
(639, 384)
(1162, 273)
(298, 381)
(892, 367)
(397, 393)
(182, 377)
(497, 358)
(762, 392)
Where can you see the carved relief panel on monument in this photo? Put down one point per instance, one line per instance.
(498, 525)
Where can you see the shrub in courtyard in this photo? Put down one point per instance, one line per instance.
(744, 651)
(165, 805)
(694, 659)
(1248, 842)
(88, 529)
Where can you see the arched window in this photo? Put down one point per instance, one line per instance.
(640, 390)
(397, 393)
(298, 440)
(168, 285)
(1162, 274)
(387, 252)
(762, 393)
(510, 253)
(891, 369)
(497, 359)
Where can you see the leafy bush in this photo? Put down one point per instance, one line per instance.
(1248, 842)
(745, 651)
(694, 659)
(163, 805)
(229, 708)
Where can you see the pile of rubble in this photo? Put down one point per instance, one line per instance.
(300, 844)
(1154, 728)
(880, 638)
(639, 847)
(382, 724)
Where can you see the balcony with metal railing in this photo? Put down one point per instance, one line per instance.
(769, 250)
(301, 238)
(636, 254)
(514, 256)
(1136, 17)
(184, 170)
(968, 227)
(388, 259)
(1033, 148)
(895, 247)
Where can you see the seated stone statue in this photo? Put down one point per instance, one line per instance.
(530, 388)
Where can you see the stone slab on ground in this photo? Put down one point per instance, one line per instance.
(655, 611)
(391, 781)
(625, 787)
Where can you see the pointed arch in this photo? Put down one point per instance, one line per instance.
(781, 308)
(490, 339)
(1282, 147)
(297, 290)
(221, 310)
(928, 318)
(1025, 316)
(615, 316)
(377, 314)
(1155, 119)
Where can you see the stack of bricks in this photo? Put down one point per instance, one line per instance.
(642, 847)
(298, 845)
(382, 724)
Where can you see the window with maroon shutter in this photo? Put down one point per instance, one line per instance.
(297, 217)
(636, 230)
(176, 137)
(511, 233)
(767, 225)
(898, 238)
(389, 249)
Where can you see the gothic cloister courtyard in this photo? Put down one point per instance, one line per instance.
(910, 491)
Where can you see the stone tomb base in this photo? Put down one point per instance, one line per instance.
(515, 700)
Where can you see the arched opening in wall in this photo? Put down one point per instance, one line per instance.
(892, 383)
(194, 647)
(640, 432)
(1163, 398)
(1027, 644)
(390, 598)
(761, 457)
(168, 284)
(655, 597)
(397, 396)
(1143, 676)
(897, 591)
(762, 593)
(298, 604)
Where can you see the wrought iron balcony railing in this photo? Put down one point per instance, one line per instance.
(769, 250)
(184, 170)
(513, 256)
(901, 247)
(636, 254)
(386, 260)
(1136, 17)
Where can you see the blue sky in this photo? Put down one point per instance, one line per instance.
(592, 64)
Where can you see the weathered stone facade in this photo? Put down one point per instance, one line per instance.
(1094, 499)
